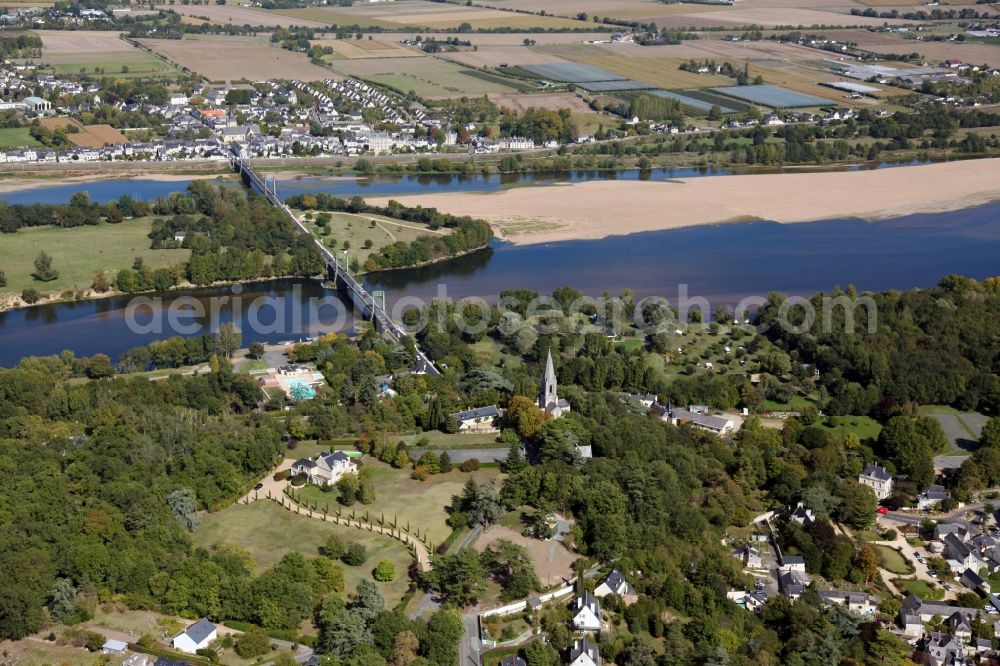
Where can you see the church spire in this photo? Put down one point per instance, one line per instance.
(548, 395)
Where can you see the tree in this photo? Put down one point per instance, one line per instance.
(444, 630)
(366, 486)
(385, 571)
(100, 282)
(334, 547)
(183, 508)
(256, 350)
(990, 435)
(524, 416)
(62, 600)
(355, 555)
(867, 560)
(347, 487)
(367, 602)
(3, 279)
(540, 653)
(444, 463)
(228, 339)
(510, 565)
(406, 647)
(481, 503)
(253, 644)
(459, 577)
(43, 268)
(857, 504)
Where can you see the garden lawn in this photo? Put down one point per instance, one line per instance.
(16, 137)
(893, 561)
(421, 504)
(863, 426)
(268, 532)
(920, 589)
(440, 440)
(79, 252)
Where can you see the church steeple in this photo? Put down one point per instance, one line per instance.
(548, 393)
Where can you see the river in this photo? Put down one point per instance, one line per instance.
(721, 263)
(377, 186)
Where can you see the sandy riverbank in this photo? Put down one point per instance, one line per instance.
(20, 184)
(527, 215)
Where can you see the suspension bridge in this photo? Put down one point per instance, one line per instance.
(371, 304)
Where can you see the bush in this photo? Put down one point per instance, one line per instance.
(30, 296)
(209, 653)
(470, 465)
(334, 547)
(355, 555)
(385, 571)
(282, 475)
(95, 641)
(253, 644)
(299, 480)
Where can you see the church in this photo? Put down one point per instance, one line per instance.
(548, 398)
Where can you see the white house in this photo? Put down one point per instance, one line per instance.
(584, 653)
(481, 419)
(932, 496)
(878, 479)
(587, 613)
(326, 468)
(197, 636)
(613, 583)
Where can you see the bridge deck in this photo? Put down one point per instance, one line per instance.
(341, 273)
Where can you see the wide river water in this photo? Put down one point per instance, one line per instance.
(721, 263)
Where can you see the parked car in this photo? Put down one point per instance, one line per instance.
(258, 486)
(882, 510)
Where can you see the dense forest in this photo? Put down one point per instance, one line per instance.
(105, 479)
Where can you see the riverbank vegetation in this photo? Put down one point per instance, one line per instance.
(204, 235)
(465, 233)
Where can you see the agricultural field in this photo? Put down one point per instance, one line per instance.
(497, 56)
(421, 504)
(16, 137)
(357, 230)
(427, 77)
(663, 72)
(622, 9)
(435, 16)
(969, 51)
(88, 136)
(100, 54)
(482, 39)
(366, 48)
(240, 15)
(704, 16)
(78, 252)
(222, 59)
(521, 102)
(268, 532)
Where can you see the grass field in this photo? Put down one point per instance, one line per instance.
(16, 137)
(419, 503)
(78, 253)
(862, 426)
(920, 589)
(357, 230)
(268, 532)
(440, 440)
(893, 561)
(427, 77)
